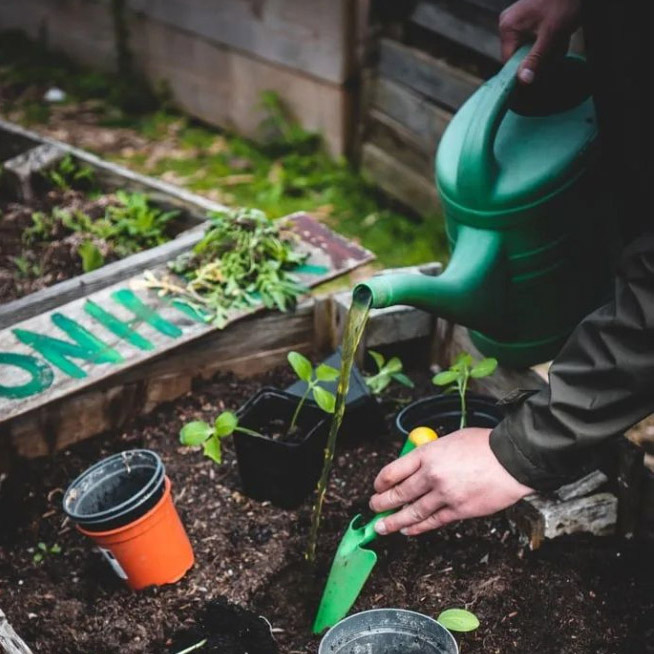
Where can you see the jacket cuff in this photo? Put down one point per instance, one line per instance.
(517, 462)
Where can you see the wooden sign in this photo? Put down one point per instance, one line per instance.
(124, 325)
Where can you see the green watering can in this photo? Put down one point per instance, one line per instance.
(533, 242)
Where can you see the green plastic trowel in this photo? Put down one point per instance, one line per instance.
(353, 563)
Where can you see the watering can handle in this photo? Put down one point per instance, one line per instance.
(477, 163)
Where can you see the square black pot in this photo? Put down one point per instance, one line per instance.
(282, 472)
(363, 416)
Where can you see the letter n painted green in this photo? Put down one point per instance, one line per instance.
(86, 346)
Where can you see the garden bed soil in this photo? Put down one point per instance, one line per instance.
(30, 264)
(576, 595)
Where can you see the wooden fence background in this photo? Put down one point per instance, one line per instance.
(217, 57)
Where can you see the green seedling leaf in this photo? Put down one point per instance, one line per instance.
(403, 379)
(225, 424)
(446, 377)
(324, 399)
(458, 620)
(301, 365)
(484, 368)
(195, 433)
(91, 257)
(393, 365)
(212, 449)
(38, 557)
(55, 549)
(326, 373)
(463, 359)
(43, 547)
(378, 359)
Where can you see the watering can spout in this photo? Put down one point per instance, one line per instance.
(470, 291)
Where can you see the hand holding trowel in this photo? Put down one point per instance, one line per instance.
(353, 563)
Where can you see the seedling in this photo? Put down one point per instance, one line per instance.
(68, 174)
(91, 256)
(210, 437)
(458, 620)
(387, 371)
(42, 550)
(305, 372)
(459, 374)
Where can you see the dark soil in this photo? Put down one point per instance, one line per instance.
(577, 595)
(28, 265)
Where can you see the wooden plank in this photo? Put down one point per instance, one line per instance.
(312, 37)
(10, 641)
(464, 25)
(395, 140)
(224, 87)
(209, 81)
(246, 348)
(448, 86)
(540, 518)
(399, 181)
(414, 112)
(140, 327)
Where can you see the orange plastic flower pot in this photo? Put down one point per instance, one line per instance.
(152, 550)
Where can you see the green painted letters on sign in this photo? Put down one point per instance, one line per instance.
(41, 373)
(87, 346)
(143, 312)
(119, 327)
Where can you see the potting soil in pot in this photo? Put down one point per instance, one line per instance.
(226, 628)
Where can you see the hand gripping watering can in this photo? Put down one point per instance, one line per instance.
(527, 219)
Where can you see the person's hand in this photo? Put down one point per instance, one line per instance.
(450, 479)
(549, 22)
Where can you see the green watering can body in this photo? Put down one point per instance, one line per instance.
(530, 228)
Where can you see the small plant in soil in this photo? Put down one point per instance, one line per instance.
(456, 378)
(43, 551)
(68, 174)
(312, 377)
(458, 620)
(387, 371)
(242, 260)
(198, 432)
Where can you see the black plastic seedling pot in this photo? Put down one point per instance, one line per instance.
(115, 491)
(388, 631)
(363, 417)
(443, 413)
(280, 470)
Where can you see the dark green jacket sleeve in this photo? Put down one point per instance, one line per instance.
(601, 384)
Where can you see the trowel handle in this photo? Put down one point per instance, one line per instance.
(369, 533)
(477, 163)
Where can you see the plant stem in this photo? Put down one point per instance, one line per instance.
(251, 432)
(463, 387)
(192, 648)
(297, 409)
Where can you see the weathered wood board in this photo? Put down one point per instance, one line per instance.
(433, 78)
(312, 37)
(210, 80)
(124, 325)
(462, 23)
(10, 641)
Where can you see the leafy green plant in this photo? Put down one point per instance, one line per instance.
(91, 256)
(387, 371)
(243, 259)
(68, 174)
(458, 620)
(459, 374)
(209, 436)
(42, 550)
(306, 373)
